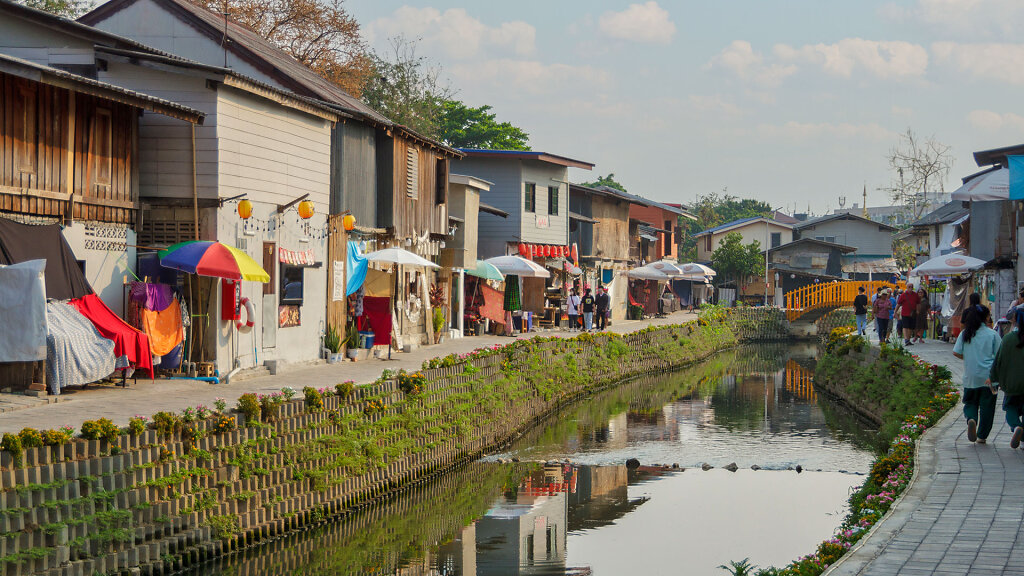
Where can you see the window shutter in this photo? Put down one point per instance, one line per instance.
(412, 173)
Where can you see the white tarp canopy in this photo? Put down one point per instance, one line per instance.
(400, 257)
(647, 273)
(519, 266)
(950, 264)
(994, 185)
(670, 269)
(23, 308)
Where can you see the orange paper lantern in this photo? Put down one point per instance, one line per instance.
(524, 250)
(245, 209)
(348, 222)
(306, 209)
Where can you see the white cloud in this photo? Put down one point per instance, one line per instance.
(882, 59)
(975, 19)
(989, 121)
(645, 23)
(1000, 62)
(716, 105)
(740, 58)
(802, 132)
(528, 76)
(454, 31)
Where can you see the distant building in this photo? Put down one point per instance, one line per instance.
(768, 233)
(898, 215)
(936, 233)
(872, 240)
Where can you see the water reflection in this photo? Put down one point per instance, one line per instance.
(754, 406)
(593, 516)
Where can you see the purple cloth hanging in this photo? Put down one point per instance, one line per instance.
(155, 297)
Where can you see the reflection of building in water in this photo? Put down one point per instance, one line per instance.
(522, 534)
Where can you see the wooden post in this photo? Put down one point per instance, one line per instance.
(69, 176)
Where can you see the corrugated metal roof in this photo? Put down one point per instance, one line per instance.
(948, 212)
(65, 79)
(581, 218)
(262, 53)
(727, 226)
(841, 216)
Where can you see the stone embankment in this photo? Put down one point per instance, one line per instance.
(184, 489)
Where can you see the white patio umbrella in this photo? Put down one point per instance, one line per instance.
(670, 269)
(695, 269)
(947, 265)
(647, 273)
(519, 266)
(994, 185)
(399, 257)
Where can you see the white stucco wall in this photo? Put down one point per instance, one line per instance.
(104, 269)
(750, 233)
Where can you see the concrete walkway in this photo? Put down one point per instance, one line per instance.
(148, 397)
(964, 514)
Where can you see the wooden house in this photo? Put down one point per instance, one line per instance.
(599, 226)
(800, 263)
(69, 153)
(873, 241)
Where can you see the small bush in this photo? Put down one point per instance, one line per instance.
(314, 400)
(11, 443)
(220, 404)
(100, 429)
(58, 436)
(166, 423)
(223, 527)
(137, 425)
(249, 405)
(30, 438)
(344, 389)
(270, 406)
(224, 424)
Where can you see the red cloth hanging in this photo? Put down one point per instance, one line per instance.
(378, 310)
(128, 341)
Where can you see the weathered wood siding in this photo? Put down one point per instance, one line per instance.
(417, 205)
(611, 237)
(39, 126)
(354, 171)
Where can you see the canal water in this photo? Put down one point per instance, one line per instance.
(560, 501)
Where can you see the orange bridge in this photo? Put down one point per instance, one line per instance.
(817, 300)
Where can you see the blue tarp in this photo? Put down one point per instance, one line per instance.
(357, 265)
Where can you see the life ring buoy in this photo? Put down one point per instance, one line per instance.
(250, 313)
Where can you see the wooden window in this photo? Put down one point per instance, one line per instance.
(441, 180)
(412, 173)
(707, 243)
(269, 264)
(100, 148)
(553, 200)
(530, 198)
(668, 235)
(776, 239)
(25, 129)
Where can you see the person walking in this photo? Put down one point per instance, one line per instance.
(572, 309)
(1008, 373)
(977, 346)
(882, 310)
(588, 303)
(603, 304)
(860, 310)
(907, 306)
(924, 309)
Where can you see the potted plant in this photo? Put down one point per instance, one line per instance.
(332, 342)
(352, 349)
(438, 324)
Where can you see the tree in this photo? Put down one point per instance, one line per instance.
(67, 8)
(715, 209)
(465, 127)
(406, 88)
(608, 180)
(735, 262)
(904, 254)
(321, 35)
(922, 166)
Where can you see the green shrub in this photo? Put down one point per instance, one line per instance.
(314, 399)
(223, 527)
(100, 429)
(344, 389)
(332, 340)
(11, 443)
(137, 425)
(30, 438)
(58, 436)
(249, 405)
(166, 423)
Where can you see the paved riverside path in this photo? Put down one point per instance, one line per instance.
(965, 512)
(148, 397)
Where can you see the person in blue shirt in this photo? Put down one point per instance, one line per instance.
(977, 346)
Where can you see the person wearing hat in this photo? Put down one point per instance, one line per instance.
(587, 304)
(603, 303)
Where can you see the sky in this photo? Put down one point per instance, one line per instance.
(794, 102)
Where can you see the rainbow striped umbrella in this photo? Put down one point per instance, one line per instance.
(213, 259)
